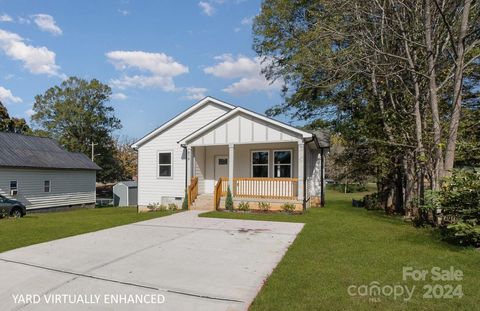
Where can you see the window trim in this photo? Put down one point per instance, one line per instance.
(158, 164)
(49, 186)
(252, 165)
(291, 162)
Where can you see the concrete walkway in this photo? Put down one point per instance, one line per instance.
(193, 263)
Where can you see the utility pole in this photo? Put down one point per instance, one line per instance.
(93, 150)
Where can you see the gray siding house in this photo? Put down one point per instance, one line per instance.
(41, 174)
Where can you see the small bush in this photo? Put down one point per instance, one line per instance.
(288, 207)
(244, 206)
(229, 200)
(172, 207)
(156, 207)
(372, 201)
(462, 233)
(264, 206)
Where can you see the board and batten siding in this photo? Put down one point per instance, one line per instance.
(242, 129)
(151, 187)
(67, 187)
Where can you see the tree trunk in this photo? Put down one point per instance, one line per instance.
(432, 83)
(458, 83)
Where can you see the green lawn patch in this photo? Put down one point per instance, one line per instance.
(342, 245)
(37, 228)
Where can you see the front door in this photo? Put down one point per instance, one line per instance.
(221, 167)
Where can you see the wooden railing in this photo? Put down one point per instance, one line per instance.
(217, 192)
(268, 188)
(192, 191)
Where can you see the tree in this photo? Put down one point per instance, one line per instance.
(127, 158)
(12, 125)
(76, 114)
(363, 66)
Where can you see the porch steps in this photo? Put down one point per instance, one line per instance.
(204, 202)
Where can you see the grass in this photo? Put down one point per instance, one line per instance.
(37, 228)
(341, 246)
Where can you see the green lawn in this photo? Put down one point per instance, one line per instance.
(37, 228)
(341, 246)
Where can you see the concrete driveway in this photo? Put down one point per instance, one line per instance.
(179, 262)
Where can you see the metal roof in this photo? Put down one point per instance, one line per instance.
(128, 183)
(18, 150)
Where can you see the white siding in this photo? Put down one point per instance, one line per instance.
(244, 129)
(314, 172)
(68, 187)
(151, 188)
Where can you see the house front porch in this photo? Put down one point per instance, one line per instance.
(268, 172)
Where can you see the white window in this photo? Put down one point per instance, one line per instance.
(13, 185)
(260, 163)
(165, 164)
(282, 163)
(46, 186)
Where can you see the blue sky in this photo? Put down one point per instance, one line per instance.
(159, 57)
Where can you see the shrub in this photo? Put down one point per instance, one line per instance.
(373, 201)
(288, 207)
(264, 206)
(156, 207)
(459, 199)
(229, 200)
(185, 200)
(244, 206)
(462, 233)
(172, 207)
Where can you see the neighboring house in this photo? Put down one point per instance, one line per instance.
(125, 193)
(214, 145)
(41, 174)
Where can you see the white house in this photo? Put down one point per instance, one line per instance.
(214, 145)
(40, 174)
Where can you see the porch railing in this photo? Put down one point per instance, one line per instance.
(192, 191)
(268, 188)
(217, 192)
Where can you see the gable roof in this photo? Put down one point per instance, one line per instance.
(236, 111)
(18, 150)
(180, 116)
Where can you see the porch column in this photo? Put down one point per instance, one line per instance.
(189, 164)
(300, 169)
(231, 151)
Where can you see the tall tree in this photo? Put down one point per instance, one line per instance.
(77, 114)
(366, 66)
(12, 125)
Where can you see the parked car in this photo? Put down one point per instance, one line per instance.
(330, 181)
(11, 207)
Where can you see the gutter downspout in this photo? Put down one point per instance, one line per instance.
(186, 165)
(305, 172)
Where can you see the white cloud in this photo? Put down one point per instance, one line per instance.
(123, 12)
(207, 8)
(119, 96)
(30, 112)
(229, 67)
(5, 18)
(248, 70)
(23, 20)
(46, 23)
(38, 60)
(247, 20)
(161, 67)
(195, 93)
(6, 96)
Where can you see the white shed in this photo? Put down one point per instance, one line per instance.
(125, 193)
